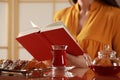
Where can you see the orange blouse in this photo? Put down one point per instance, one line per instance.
(102, 27)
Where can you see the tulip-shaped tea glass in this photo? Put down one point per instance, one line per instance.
(59, 55)
(59, 61)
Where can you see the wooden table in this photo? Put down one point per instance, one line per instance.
(78, 74)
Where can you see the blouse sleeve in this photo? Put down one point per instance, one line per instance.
(116, 35)
(56, 16)
(60, 15)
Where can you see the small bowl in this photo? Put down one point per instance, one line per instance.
(105, 70)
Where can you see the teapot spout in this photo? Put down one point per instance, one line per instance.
(88, 59)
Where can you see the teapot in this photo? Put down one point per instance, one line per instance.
(106, 62)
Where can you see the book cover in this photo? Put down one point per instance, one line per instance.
(38, 43)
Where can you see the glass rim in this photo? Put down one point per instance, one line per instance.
(59, 47)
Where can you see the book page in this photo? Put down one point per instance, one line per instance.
(55, 25)
(29, 31)
(36, 28)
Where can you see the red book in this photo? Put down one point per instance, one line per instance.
(38, 43)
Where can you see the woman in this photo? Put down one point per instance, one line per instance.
(94, 24)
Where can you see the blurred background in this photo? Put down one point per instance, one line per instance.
(15, 17)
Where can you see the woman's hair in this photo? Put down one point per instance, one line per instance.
(74, 1)
(108, 2)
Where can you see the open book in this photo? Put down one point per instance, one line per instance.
(38, 42)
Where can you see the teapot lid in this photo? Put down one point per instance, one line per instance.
(107, 51)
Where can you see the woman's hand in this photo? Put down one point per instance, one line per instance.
(77, 61)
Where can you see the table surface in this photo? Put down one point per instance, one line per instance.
(77, 74)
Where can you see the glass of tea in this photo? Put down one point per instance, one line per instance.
(59, 68)
(59, 55)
